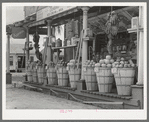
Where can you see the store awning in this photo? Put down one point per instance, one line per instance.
(37, 23)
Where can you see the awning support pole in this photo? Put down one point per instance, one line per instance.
(8, 53)
(49, 51)
(141, 47)
(27, 46)
(85, 43)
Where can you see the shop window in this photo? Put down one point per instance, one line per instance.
(11, 60)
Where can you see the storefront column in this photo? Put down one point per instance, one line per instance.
(141, 48)
(85, 43)
(49, 51)
(27, 45)
(8, 75)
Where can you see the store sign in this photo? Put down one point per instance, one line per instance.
(52, 10)
(18, 33)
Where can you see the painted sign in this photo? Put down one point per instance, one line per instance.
(18, 33)
(51, 10)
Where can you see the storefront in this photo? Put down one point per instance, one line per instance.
(98, 41)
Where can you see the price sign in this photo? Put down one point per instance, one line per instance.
(114, 70)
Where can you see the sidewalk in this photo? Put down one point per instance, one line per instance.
(19, 98)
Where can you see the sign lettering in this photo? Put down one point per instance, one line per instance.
(52, 10)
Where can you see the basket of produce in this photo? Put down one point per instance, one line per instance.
(41, 72)
(105, 78)
(124, 73)
(51, 74)
(74, 73)
(35, 76)
(30, 72)
(62, 74)
(90, 75)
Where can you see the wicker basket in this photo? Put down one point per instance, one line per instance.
(52, 77)
(74, 75)
(124, 78)
(63, 78)
(90, 79)
(105, 79)
(41, 74)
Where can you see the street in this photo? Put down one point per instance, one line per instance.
(19, 98)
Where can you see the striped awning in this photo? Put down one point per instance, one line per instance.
(37, 23)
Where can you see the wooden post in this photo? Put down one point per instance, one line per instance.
(49, 51)
(141, 48)
(27, 46)
(85, 43)
(8, 53)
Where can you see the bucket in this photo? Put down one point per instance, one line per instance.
(52, 78)
(90, 79)
(63, 77)
(29, 75)
(74, 75)
(124, 78)
(35, 77)
(41, 74)
(105, 79)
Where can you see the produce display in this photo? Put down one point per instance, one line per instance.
(123, 63)
(105, 62)
(62, 73)
(73, 64)
(104, 76)
(51, 74)
(90, 75)
(89, 63)
(74, 72)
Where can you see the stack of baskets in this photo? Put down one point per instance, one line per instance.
(74, 73)
(41, 72)
(29, 72)
(51, 74)
(34, 73)
(62, 74)
(90, 75)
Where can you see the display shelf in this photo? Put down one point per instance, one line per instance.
(70, 46)
(132, 30)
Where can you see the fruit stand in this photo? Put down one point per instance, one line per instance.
(99, 63)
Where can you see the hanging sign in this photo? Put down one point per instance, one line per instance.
(18, 32)
(51, 10)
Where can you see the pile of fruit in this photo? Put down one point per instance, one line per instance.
(105, 62)
(89, 63)
(123, 63)
(51, 64)
(73, 64)
(61, 63)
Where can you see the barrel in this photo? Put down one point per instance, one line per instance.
(52, 77)
(90, 79)
(124, 78)
(74, 75)
(63, 77)
(29, 75)
(34, 73)
(105, 79)
(41, 74)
